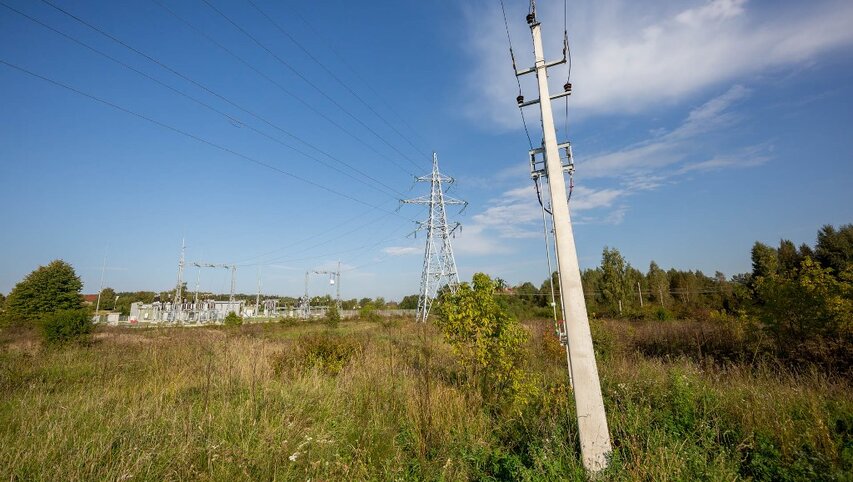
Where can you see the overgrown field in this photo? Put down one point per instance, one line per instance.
(389, 401)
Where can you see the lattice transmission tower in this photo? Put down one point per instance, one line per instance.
(439, 262)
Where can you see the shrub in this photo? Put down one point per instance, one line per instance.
(487, 339)
(368, 313)
(232, 320)
(333, 316)
(66, 325)
(328, 352)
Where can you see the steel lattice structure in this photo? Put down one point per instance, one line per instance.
(439, 263)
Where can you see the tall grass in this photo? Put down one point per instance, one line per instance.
(368, 401)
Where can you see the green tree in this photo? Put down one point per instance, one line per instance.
(487, 340)
(333, 316)
(765, 261)
(810, 314)
(789, 257)
(527, 293)
(834, 247)
(409, 302)
(232, 320)
(108, 299)
(46, 290)
(545, 293)
(658, 284)
(614, 282)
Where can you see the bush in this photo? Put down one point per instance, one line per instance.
(66, 325)
(487, 340)
(327, 352)
(232, 320)
(333, 316)
(368, 313)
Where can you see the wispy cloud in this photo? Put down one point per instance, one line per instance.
(401, 250)
(666, 148)
(665, 157)
(632, 56)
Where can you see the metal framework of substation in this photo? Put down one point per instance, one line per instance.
(334, 279)
(439, 267)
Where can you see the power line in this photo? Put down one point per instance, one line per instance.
(391, 234)
(517, 80)
(197, 138)
(314, 86)
(327, 241)
(254, 69)
(333, 75)
(344, 62)
(388, 190)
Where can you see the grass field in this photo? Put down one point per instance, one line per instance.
(370, 401)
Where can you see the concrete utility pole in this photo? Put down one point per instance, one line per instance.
(101, 288)
(592, 421)
(258, 296)
(306, 302)
(178, 299)
(640, 294)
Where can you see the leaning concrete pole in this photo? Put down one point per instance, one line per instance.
(592, 422)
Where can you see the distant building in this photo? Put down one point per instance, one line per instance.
(90, 299)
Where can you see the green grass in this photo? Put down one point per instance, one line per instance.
(371, 402)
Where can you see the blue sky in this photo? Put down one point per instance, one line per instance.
(698, 127)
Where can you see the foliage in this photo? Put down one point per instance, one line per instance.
(834, 248)
(409, 302)
(233, 320)
(327, 352)
(333, 316)
(108, 299)
(614, 283)
(368, 313)
(47, 289)
(810, 313)
(487, 340)
(65, 326)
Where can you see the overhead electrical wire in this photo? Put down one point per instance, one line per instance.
(200, 139)
(335, 76)
(393, 233)
(387, 189)
(315, 87)
(210, 91)
(328, 240)
(342, 59)
(514, 73)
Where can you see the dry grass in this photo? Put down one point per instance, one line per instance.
(367, 402)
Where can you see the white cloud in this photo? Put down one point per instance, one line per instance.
(632, 56)
(666, 157)
(476, 240)
(401, 250)
(665, 148)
